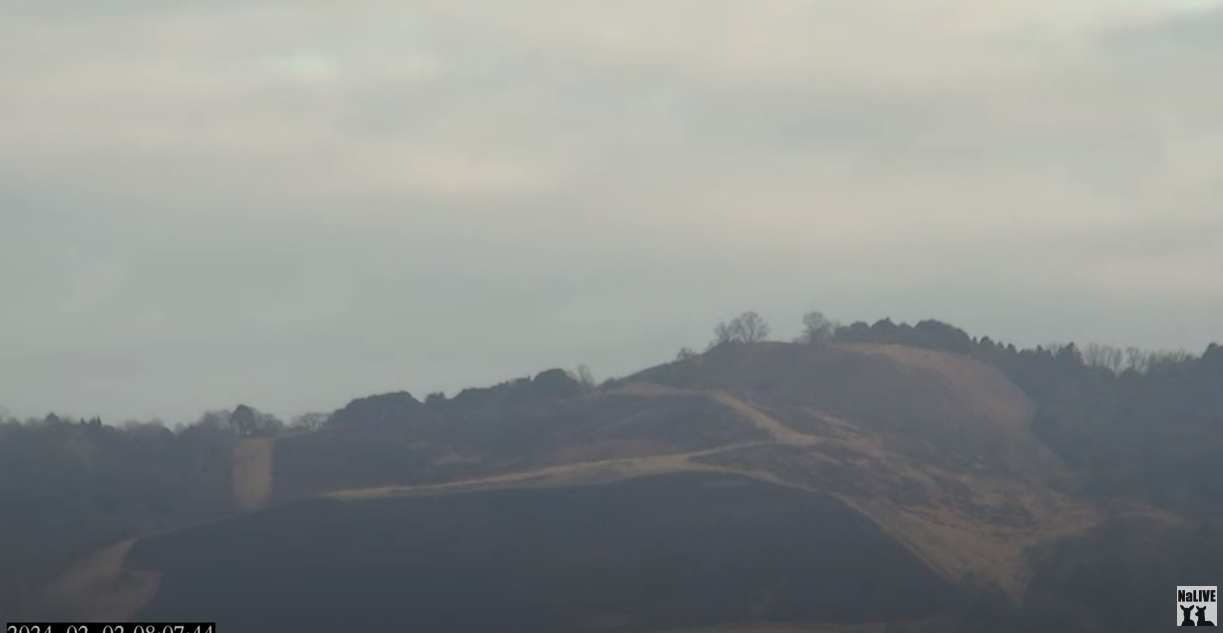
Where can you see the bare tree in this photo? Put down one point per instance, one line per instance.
(685, 353)
(817, 328)
(585, 377)
(1104, 356)
(1137, 360)
(309, 421)
(748, 327)
(1167, 360)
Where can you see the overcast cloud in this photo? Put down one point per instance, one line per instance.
(294, 203)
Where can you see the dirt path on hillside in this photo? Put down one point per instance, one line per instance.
(253, 472)
(781, 433)
(619, 468)
(567, 474)
(100, 589)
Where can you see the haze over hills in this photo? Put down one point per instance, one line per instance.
(881, 477)
(413, 221)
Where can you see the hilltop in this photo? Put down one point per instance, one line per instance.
(942, 469)
(931, 449)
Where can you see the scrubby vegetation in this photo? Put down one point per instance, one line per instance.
(1140, 425)
(1136, 427)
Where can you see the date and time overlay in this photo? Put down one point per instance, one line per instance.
(102, 627)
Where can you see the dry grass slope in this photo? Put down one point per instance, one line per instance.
(934, 448)
(102, 589)
(253, 470)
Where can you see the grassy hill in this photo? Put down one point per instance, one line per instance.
(929, 450)
(848, 486)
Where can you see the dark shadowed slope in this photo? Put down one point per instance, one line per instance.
(930, 451)
(644, 554)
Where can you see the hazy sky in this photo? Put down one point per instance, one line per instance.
(291, 203)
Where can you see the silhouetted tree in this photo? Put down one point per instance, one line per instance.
(246, 421)
(748, 327)
(1069, 353)
(1137, 360)
(1104, 357)
(553, 383)
(309, 421)
(856, 332)
(1167, 361)
(817, 328)
(435, 398)
(585, 377)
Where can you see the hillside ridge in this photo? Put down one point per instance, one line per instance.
(941, 450)
(957, 497)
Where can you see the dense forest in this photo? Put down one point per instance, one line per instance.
(1136, 426)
